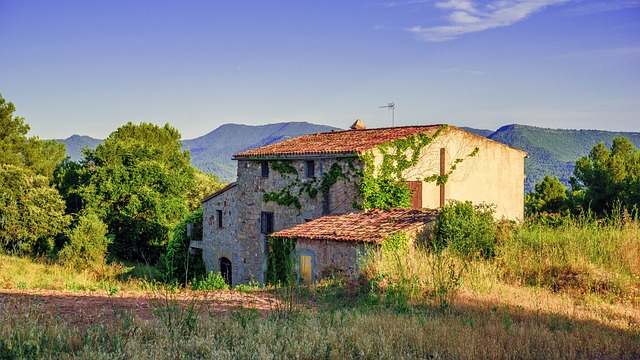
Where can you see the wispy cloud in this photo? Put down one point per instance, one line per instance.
(469, 16)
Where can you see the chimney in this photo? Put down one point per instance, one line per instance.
(358, 125)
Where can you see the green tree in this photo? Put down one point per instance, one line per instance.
(138, 182)
(31, 210)
(550, 196)
(607, 177)
(66, 179)
(205, 184)
(17, 149)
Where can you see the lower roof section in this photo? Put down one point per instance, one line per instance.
(371, 227)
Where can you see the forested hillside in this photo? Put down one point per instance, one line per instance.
(551, 151)
(212, 152)
(554, 151)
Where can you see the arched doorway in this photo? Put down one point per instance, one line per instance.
(225, 270)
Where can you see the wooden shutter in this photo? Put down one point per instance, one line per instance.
(416, 189)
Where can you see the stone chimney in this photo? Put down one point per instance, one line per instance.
(358, 125)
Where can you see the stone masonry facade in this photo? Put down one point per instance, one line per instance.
(251, 188)
(238, 242)
(242, 238)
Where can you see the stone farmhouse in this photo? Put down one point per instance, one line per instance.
(324, 185)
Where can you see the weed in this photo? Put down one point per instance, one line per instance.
(213, 281)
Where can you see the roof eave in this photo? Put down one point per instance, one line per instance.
(296, 156)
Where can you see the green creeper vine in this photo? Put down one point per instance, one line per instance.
(283, 197)
(378, 188)
(442, 179)
(385, 188)
(310, 187)
(280, 261)
(283, 167)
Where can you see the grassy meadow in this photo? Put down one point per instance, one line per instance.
(555, 292)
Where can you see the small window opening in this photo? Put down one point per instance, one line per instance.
(310, 168)
(219, 213)
(266, 222)
(265, 169)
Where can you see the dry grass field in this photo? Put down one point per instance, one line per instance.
(554, 293)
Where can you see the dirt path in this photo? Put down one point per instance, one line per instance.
(95, 307)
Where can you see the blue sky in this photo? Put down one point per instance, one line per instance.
(87, 67)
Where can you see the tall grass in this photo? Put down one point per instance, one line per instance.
(524, 302)
(583, 254)
(464, 333)
(44, 274)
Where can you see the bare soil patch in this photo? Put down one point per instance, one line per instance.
(85, 309)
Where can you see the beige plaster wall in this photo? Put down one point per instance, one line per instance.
(495, 175)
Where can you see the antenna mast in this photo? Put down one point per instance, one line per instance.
(391, 106)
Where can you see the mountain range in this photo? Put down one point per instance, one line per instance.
(551, 151)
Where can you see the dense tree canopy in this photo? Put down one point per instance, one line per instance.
(550, 196)
(31, 210)
(607, 177)
(138, 182)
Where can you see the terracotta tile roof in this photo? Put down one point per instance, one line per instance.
(372, 226)
(218, 192)
(337, 142)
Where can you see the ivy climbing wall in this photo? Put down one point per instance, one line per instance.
(291, 197)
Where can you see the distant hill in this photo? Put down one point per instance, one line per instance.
(554, 151)
(75, 144)
(551, 151)
(212, 152)
(481, 132)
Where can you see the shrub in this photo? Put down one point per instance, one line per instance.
(466, 229)
(87, 244)
(178, 264)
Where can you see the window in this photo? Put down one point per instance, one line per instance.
(265, 169)
(219, 213)
(310, 168)
(266, 222)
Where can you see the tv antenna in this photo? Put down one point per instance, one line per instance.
(391, 106)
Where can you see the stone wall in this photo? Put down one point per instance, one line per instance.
(251, 189)
(218, 242)
(329, 255)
